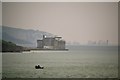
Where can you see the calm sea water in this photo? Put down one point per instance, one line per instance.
(0, 65)
(78, 62)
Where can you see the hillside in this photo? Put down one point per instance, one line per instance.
(10, 47)
(22, 37)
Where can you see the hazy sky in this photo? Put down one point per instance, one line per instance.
(75, 22)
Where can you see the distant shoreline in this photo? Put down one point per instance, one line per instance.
(70, 47)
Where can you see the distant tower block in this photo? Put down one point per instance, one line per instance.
(51, 43)
(39, 43)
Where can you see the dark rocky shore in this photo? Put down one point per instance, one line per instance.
(11, 47)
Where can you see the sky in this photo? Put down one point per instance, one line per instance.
(0, 13)
(0, 21)
(73, 21)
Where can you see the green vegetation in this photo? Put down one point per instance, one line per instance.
(10, 47)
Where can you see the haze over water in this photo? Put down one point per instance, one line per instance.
(74, 22)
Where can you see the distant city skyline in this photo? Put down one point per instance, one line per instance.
(74, 22)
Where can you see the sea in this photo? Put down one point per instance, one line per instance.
(77, 62)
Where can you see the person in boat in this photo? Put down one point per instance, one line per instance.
(39, 67)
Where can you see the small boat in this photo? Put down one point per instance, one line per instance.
(39, 67)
